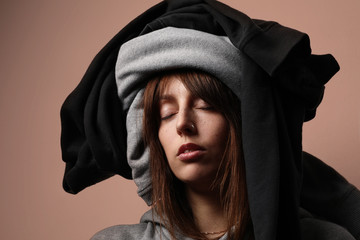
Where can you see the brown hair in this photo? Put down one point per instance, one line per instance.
(167, 191)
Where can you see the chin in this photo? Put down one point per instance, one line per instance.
(195, 177)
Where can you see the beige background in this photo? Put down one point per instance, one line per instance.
(46, 47)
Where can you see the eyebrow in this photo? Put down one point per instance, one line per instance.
(167, 97)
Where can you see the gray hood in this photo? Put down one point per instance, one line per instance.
(141, 58)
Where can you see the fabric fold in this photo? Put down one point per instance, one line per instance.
(281, 87)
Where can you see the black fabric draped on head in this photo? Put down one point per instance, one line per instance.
(283, 85)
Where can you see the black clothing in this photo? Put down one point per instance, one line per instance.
(284, 84)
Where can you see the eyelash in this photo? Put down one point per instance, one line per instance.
(209, 108)
(167, 117)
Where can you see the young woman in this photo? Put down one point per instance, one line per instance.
(203, 107)
(197, 168)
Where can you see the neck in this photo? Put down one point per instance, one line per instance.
(207, 210)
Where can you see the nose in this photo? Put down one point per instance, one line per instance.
(185, 124)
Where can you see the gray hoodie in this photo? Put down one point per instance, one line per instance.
(311, 229)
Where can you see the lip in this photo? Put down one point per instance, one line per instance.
(196, 151)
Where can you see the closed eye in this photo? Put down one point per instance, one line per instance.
(209, 108)
(168, 116)
(202, 105)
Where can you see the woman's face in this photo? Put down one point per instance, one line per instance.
(192, 133)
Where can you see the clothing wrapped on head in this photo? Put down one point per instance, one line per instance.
(268, 66)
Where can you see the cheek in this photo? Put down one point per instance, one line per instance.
(166, 140)
(219, 128)
(161, 136)
(164, 136)
(223, 130)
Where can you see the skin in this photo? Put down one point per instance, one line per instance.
(186, 119)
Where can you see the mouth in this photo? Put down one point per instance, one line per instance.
(189, 151)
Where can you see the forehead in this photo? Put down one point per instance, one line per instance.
(172, 87)
(196, 84)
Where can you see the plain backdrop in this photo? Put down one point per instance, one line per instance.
(45, 48)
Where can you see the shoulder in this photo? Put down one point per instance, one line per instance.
(139, 231)
(147, 229)
(317, 229)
